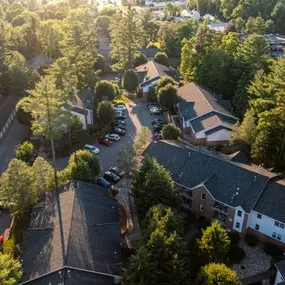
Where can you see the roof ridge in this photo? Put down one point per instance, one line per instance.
(154, 65)
(199, 88)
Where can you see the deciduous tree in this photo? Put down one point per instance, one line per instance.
(24, 151)
(130, 81)
(104, 90)
(170, 132)
(167, 97)
(162, 58)
(105, 113)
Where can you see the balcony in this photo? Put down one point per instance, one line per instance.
(220, 217)
(219, 207)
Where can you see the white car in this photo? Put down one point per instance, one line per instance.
(113, 137)
(120, 107)
(92, 148)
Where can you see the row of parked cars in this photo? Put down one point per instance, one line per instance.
(113, 175)
(157, 124)
(154, 109)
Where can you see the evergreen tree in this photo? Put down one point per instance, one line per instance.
(10, 270)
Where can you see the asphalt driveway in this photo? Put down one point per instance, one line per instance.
(138, 116)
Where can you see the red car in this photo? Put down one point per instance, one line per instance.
(104, 141)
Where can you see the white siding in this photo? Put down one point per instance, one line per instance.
(238, 219)
(222, 135)
(278, 278)
(266, 225)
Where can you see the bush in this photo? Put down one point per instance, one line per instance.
(236, 254)
(151, 95)
(272, 249)
(24, 151)
(251, 240)
(170, 132)
(234, 238)
(9, 246)
(161, 58)
(139, 94)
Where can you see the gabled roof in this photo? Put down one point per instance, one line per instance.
(222, 178)
(194, 101)
(84, 233)
(281, 267)
(154, 69)
(272, 202)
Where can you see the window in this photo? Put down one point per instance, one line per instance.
(202, 208)
(259, 216)
(203, 196)
(237, 225)
(239, 213)
(257, 227)
(279, 237)
(279, 225)
(274, 235)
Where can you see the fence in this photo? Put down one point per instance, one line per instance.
(8, 124)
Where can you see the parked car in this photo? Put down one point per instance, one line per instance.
(120, 107)
(92, 148)
(119, 125)
(111, 176)
(150, 105)
(119, 131)
(113, 137)
(103, 182)
(117, 171)
(104, 141)
(157, 136)
(120, 117)
(155, 111)
(122, 122)
(157, 128)
(158, 121)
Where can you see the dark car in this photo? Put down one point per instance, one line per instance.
(152, 105)
(103, 182)
(119, 131)
(117, 171)
(120, 117)
(104, 141)
(159, 122)
(111, 176)
(157, 136)
(118, 121)
(118, 125)
(157, 128)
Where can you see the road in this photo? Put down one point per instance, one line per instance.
(138, 116)
(10, 142)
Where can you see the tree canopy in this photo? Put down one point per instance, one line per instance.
(170, 132)
(104, 90)
(105, 113)
(167, 97)
(130, 81)
(10, 270)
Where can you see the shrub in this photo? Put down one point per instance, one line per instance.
(251, 240)
(24, 151)
(236, 254)
(170, 132)
(272, 249)
(161, 58)
(234, 238)
(9, 246)
(151, 95)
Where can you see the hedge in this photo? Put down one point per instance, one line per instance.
(251, 240)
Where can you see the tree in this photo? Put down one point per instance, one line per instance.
(24, 151)
(163, 81)
(268, 138)
(105, 113)
(164, 219)
(204, 6)
(149, 26)
(278, 17)
(108, 11)
(242, 133)
(214, 243)
(257, 26)
(104, 90)
(45, 105)
(140, 59)
(172, 10)
(10, 270)
(100, 63)
(103, 25)
(167, 97)
(125, 39)
(217, 273)
(17, 191)
(162, 58)
(83, 165)
(170, 132)
(126, 158)
(151, 95)
(142, 139)
(152, 185)
(130, 81)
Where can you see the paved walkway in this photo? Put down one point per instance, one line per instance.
(258, 277)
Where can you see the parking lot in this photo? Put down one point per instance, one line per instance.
(137, 116)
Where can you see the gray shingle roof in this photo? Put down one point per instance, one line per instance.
(214, 130)
(281, 267)
(272, 203)
(223, 178)
(91, 233)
